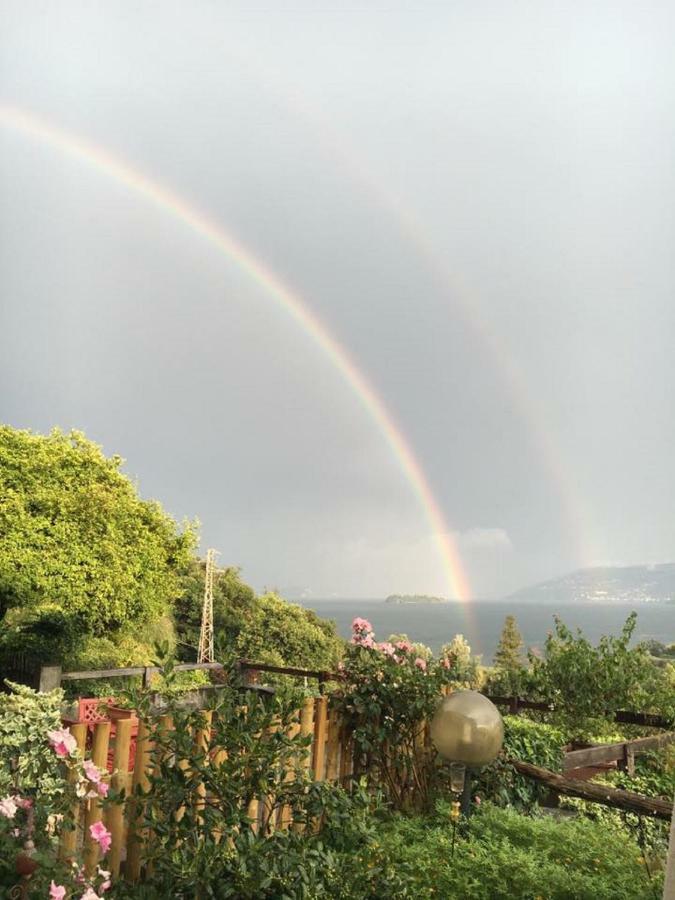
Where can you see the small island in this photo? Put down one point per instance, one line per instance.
(414, 598)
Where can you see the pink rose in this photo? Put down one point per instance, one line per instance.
(62, 741)
(361, 625)
(91, 771)
(8, 807)
(56, 891)
(421, 663)
(386, 648)
(101, 835)
(90, 894)
(103, 787)
(404, 646)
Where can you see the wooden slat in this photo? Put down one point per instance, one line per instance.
(286, 816)
(306, 729)
(115, 813)
(346, 755)
(99, 756)
(320, 735)
(333, 746)
(607, 753)
(69, 838)
(141, 785)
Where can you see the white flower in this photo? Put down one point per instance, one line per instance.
(8, 807)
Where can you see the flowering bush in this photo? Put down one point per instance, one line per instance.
(389, 693)
(42, 776)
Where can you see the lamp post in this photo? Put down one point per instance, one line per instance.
(468, 731)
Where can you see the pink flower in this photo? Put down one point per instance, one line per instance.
(91, 771)
(386, 648)
(23, 802)
(62, 741)
(445, 662)
(476, 800)
(421, 663)
(103, 787)
(361, 625)
(90, 894)
(404, 646)
(106, 882)
(101, 835)
(8, 807)
(56, 891)
(368, 642)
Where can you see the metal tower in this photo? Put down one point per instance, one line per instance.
(205, 652)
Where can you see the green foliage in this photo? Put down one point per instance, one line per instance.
(587, 684)
(25, 761)
(37, 791)
(210, 850)
(509, 653)
(505, 855)
(264, 629)
(81, 555)
(533, 742)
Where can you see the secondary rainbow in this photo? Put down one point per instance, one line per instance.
(100, 159)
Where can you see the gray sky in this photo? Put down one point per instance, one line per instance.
(478, 201)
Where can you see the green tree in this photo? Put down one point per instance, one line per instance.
(82, 556)
(588, 684)
(264, 629)
(509, 651)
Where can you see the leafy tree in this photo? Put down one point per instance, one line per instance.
(264, 629)
(81, 554)
(233, 602)
(587, 685)
(509, 650)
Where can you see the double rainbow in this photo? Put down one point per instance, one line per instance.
(290, 301)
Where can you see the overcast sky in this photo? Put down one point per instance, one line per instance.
(476, 199)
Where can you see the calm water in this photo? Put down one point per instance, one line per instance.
(435, 625)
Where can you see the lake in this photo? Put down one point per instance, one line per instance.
(436, 624)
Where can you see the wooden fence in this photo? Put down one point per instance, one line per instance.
(329, 757)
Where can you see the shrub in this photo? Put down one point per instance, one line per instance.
(505, 855)
(388, 695)
(533, 742)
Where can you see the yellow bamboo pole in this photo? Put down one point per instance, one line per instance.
(202, 742)
(99, 756)
(115, 813)
(346, 756)
(306, 729)
(69, 838)
(320, 735)
(141, 784)
(332, 745)
(286, 815)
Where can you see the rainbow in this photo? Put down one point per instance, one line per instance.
(163, 198)
(350, 162)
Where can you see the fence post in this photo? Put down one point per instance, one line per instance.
(69, 838)
(115, 813)
(99, 756)
(50, 679)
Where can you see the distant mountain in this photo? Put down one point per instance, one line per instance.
(414, 598)
(605, 584)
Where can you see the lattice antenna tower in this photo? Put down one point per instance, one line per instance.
(205, 652)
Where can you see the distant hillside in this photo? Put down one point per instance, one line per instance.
(605, 584)
(414, 598)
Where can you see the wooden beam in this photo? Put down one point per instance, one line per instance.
(604, 753)
(597, 793)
